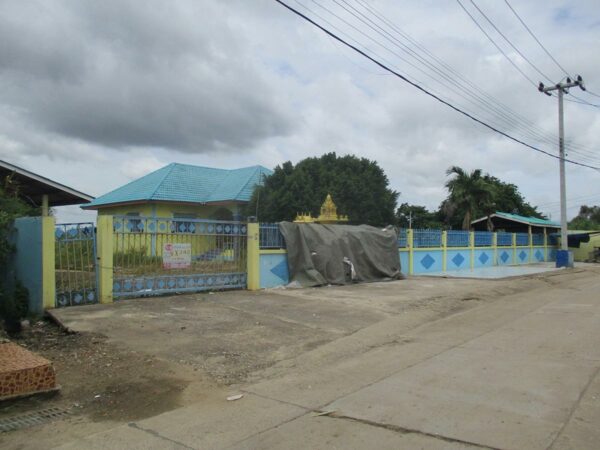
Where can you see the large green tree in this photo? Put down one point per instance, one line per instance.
(468, 192)
(359, 188)
(587, 219)
(475, 194)
(418, 216)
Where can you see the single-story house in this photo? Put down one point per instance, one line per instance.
(514, 223)
(184, 191)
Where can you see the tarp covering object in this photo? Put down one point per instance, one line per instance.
(575, 240)
(340, 254)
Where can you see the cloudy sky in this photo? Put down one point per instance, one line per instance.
(94, 94)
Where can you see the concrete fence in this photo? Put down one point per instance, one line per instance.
(427, 251)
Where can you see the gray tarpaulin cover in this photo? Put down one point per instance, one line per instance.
(316, 253)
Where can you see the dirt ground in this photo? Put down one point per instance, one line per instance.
(138, 358)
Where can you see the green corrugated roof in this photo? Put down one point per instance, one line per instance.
(529, 220)
(187, 183)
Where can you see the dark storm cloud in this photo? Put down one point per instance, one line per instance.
(127, 74)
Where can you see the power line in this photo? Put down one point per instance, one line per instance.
(544, 48)
(420, 88)
(537, 40)
(506, 117)
(574, 100)
(505, 114)
(509, 42)
(495, 44)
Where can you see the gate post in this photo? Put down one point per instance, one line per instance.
(253, 257)
(48, 263)
(104, 258)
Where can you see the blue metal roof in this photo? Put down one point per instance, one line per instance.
(187, 183)
(522, 219)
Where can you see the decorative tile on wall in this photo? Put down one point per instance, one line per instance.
(273, 270)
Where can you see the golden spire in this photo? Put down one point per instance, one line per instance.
(328, 214)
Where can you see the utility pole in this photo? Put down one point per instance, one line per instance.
(410, 220)
(562, 88)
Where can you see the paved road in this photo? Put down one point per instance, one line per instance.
(512, 374)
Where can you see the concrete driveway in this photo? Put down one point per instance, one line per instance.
(413, 364)
(231, 335)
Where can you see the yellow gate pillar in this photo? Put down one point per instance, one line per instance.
(104, 258)
(48, 263)
(253, 257)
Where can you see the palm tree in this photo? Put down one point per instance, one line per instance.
(468, 192)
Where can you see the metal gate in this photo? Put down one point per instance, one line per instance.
(75, 264)
(174, 255)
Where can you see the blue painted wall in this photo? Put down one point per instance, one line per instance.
(505, 256)
(484, 257)
(27, 261)
(538, 254)
(273, 270)
(458, 259)
(404, 262)
(522, 256)
(425, 261)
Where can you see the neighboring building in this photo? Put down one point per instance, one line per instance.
(585, 245)
(513, 223)
(39, 191)
(184, 191)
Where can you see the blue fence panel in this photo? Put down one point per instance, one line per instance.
(484, 239)
(402, 238)
(427, 238)
(270, 236)
(504, 239)
(457, 238)
(522, 239)
(537, 239)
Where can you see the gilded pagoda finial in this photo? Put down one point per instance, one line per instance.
(328, 214)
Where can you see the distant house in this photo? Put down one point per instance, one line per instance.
(184, 191)
(513, 223)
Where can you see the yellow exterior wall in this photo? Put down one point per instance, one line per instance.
(167, 210)
(126, 241)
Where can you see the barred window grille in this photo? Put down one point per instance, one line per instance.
(427, 238)
(537, 239)
(484, 239)
(504, 239)
(270, 237)
(457, 238)
(522, 239)
(402, 238)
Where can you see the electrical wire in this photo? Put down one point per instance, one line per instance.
(510, 43)
(537, 40)
(575, 99)
(496, 45)
(544, 48)
(502, 112)
(423, 90)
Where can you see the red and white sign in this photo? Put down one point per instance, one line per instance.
(177, 256)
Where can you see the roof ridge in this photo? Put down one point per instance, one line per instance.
(168, 172)
(257, 168)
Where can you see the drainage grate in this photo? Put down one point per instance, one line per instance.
(31, 419)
